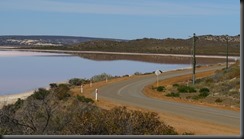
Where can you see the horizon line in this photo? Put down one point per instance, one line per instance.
(116, 38)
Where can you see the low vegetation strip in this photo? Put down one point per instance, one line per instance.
(219, 88)
(58, 112)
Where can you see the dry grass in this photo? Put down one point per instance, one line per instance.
(168, 84)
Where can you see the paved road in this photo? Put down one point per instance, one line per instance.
(130, 92)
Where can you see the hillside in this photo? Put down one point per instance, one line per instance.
(205, 45)
(219, 88)
(217, 45)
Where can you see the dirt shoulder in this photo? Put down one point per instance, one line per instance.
(181, 124)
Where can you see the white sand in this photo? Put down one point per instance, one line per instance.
(12, 53)
(12, 98)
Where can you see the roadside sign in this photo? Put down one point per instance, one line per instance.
(158, 72)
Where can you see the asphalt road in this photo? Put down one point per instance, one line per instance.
(129, 92)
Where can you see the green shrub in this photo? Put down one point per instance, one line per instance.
(18, 103)
(172, 94)
(62, 91)
(160, 88)
(182, 89)
(175, 85)
(77, 81)
(84, 99)
(203, 94)
(40, 94)
(218, 100)
(202, 90)
(137, 73)
(125, 75)
(197, 81)
(191, 89)
(200, 96)
(101, 77)
(209, 80)
(146, 73)
(186, 89)
(4, 131)
(53, 85)
(118, 121)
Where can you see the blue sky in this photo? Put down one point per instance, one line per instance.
(121, 19)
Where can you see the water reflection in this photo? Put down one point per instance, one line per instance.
(153, 59)
(30, 71)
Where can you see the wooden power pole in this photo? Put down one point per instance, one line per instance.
(194, 59)
(227, 53)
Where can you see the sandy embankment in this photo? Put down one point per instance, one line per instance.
(12, 98)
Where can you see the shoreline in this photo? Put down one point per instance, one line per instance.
(12, 98)
(123, 53)
(7, 99)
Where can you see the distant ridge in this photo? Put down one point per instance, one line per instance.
(45, 40)
(205, 44)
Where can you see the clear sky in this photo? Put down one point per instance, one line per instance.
(121, 19)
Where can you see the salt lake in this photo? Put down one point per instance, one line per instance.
(25, 71)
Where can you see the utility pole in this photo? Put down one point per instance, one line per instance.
(194, 59)
(227, 53)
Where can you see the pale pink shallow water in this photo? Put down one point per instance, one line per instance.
(25, 71)
(22, 71)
